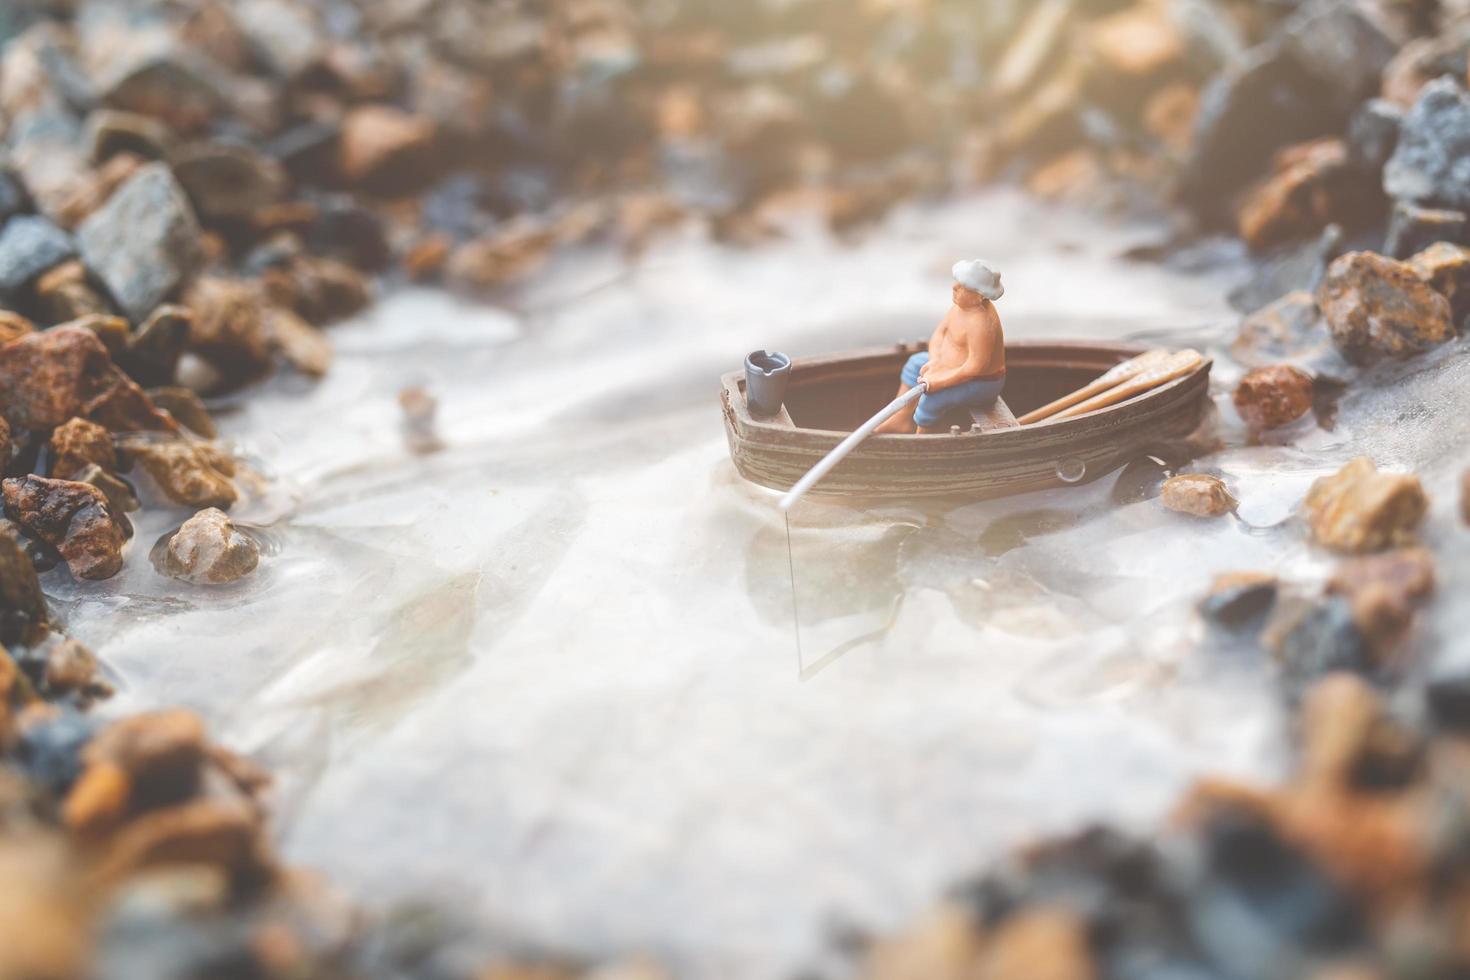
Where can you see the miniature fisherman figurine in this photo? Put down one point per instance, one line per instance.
(965, 365)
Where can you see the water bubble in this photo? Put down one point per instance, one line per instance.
(1070, 469)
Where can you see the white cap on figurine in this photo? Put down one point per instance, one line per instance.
(978, 276)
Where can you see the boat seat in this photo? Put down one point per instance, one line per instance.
(996, 416)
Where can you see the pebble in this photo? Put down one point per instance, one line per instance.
(13, 326)
(78, 444)
(228, 328)
(186, 407)
(23, 615)
(1359, 510)
(153, 350)
(1427, 166)
(195, 474)
(1198, 495)
(30, 246)
(303, 346)
(209, 550)
(1325, 638)
(1374, 134)
(1290, 327)
(228, 181)
(144, 243)
(67, 293)
(1385, 590)
(1270, 397)
(1377, 306)
(74, 518)
(1446, 267)
(45, 377)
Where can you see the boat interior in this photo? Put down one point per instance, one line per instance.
(840, 397)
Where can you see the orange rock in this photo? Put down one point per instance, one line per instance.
(1140, 41)
(13, 326)
(1198, 495)
(1169, 114)
(79, 444)
(222, 834)
(1376, 306)
(427, 257)
(944, 946)
(1313, 184)
(1270, 397)
(1359, 510)
(1385, 590)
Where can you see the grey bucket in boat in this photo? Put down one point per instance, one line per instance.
(766, 375)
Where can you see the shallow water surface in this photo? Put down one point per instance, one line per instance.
(551, 672)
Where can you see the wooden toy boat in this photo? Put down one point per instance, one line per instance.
(984, 457)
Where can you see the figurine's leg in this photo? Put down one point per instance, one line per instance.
(902, 423)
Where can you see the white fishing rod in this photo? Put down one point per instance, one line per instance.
(846, 446)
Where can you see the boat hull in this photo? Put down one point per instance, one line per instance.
(829, 396)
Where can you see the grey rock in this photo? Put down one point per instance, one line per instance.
(1431, 166)
(30, 246)
(1413, 229)
(1339, 44)
(13, 199)
(1325, 639)
(1374, 134)
(144, 243)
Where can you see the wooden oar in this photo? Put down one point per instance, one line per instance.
(1176, 365)
(1115, 376)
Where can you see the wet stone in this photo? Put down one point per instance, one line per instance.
(1428, 168)
(50, 749)
(1198, 495)
(73, 518)
(1270, 397)
(30, 246)
(153, 350)
(1377, 306)
(119, 492)
(1446, 267)
(1238, 600)
(1413, 229)
(144, 243)
(209, 550)
(190, 473)
(1360, 510)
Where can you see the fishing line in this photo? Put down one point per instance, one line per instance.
(795, 613)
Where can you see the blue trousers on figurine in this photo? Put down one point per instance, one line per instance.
(979, 393)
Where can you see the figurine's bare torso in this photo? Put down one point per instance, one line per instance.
(968, 347)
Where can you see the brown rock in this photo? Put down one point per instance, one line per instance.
(1312, 185)
(321, 290)
(427, 257)
(1359, 509)
(46, 377)
(945, 946)
(1198, 495)
(1377, 306)
(161, 752)
(195, 474)
(77, 444)
(124, 407)
(23, 614)
(210, 550)
(73, 518)
(1270, 397)
(1446, 267)
(1170, 114)
(13, 326)
(303, 346)
(1384, 591)
(113, 331)
(98, 801)
(229, 326)
(66, 293)
(43, 928)
(508, 255)
(221, 833)
(71, 666)
(187, 408)
(154, 349)
(1141, 41)
(385, 149)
